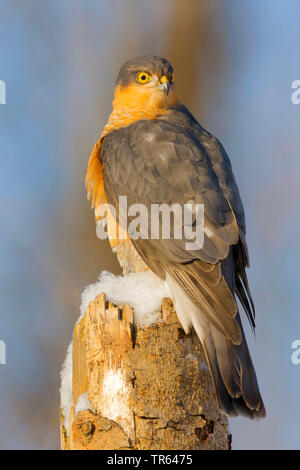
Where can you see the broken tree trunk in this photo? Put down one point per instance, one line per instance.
(148, 388)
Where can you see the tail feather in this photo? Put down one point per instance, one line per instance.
(230, 362)
(234, 376)
(241, 285)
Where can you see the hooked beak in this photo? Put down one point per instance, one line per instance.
(164, 84)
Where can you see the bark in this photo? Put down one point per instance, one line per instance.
(149, 388)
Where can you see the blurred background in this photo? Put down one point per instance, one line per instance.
(234, 64)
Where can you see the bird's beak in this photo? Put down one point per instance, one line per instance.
(164, 84)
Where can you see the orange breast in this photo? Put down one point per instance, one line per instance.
(94, 177)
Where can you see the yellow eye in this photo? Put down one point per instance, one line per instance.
(143, 77)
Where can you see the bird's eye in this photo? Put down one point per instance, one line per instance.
(143, 77)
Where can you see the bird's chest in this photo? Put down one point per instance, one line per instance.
(107, 222)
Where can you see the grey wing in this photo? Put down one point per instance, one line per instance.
(223, 170)
(154, 162)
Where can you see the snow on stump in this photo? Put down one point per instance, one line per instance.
(137, 388)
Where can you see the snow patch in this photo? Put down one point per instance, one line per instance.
(142, 291)
(83, 403)
(66, 388)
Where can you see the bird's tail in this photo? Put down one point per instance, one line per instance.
(230, 364)
(233, 374)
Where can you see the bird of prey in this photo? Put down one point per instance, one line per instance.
(153, 150)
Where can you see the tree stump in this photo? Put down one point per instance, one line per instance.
(147, 388)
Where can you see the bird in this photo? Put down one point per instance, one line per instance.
(153, 151)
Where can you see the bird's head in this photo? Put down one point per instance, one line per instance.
(146, 83)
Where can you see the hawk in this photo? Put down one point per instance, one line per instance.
(153, 150)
